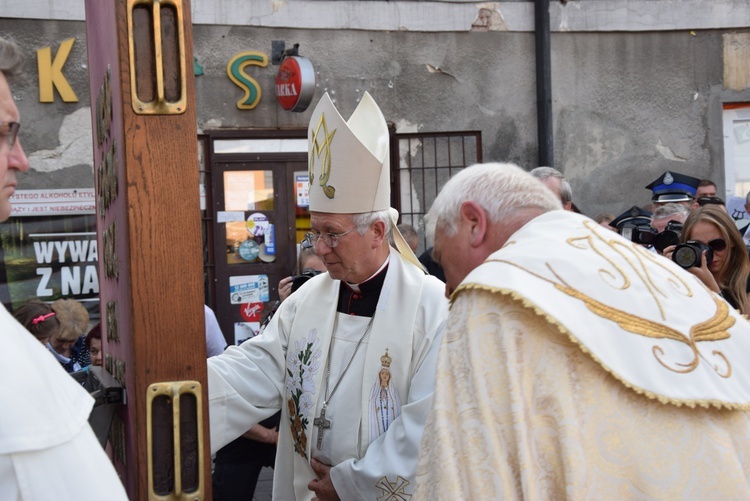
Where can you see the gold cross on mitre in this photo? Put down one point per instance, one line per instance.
(355, 167)
(324, 147)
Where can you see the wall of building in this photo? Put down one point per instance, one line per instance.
(637, 85)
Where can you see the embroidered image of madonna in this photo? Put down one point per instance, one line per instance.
(385, 402)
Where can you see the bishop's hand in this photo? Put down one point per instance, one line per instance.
(323, 487)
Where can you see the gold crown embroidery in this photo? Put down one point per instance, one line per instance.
(385, 360)
(324, 148)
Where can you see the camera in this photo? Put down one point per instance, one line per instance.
(688, 255)
(300, 279)
(670, 236)
(643, 235)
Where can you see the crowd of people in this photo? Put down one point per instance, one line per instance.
(690, 225)
(559, 357)
(63, 327)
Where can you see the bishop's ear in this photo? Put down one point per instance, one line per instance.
(474, 219)
(378, 231)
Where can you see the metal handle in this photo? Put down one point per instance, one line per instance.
(175, 408)
(151, 42)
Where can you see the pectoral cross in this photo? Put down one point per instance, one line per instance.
(322, 423)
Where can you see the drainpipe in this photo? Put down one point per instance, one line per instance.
(543, 83)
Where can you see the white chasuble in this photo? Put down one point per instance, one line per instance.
(577, 365)
(286, 367)
(47, 448)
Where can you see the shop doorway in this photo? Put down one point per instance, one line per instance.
(252, 222)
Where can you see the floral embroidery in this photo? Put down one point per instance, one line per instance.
(300, 369)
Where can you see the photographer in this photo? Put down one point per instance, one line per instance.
(308, 264)
(635, 225)
(667, 222)
(726, 267)
(666, 213)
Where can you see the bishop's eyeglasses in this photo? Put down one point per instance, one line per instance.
(330, 239)
(9, 130)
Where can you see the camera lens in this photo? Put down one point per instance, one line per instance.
(689, 254)
(685, 256)
(665, 239)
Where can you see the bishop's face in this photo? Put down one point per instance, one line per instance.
(351, 257)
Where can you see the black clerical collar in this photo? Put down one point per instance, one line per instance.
(364, 301)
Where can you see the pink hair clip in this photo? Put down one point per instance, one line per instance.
(42, 318)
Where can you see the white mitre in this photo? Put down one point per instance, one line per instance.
(349, 163)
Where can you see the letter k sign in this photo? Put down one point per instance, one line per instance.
(50, 73)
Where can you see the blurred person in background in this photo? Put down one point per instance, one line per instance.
(555, 181)
(410, 235)
(604, 219)
(47, 447)
(93, 343)
(68, 342)
(665, 214)
(307, 263)
(38, 318)
(706, 188)
(216, 343)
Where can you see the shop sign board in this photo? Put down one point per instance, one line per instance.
(57, 202)
(50, 258)
(295, 83)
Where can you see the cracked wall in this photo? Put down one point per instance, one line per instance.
(626, 105)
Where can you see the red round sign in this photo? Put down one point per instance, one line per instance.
(295, 83)
(251, 312)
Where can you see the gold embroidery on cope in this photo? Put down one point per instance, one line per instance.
(323, 147)
(713, 329)
(393, 491)
(635, 256)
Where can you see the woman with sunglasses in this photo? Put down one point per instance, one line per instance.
(728, 271)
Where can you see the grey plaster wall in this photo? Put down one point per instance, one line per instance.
(626, 105)
(56, 136)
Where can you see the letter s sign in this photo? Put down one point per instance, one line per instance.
(235, 70)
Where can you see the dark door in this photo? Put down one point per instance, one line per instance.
(255, 237)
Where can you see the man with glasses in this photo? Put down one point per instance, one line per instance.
(47, 448)
(349, 358)
(555, 181)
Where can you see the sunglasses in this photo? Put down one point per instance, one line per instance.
(710, 200)
(717, 244)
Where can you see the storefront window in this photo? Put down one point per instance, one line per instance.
(249, 197)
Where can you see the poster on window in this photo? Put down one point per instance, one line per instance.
(248, 289)
(71, 201)
(302, 187)
(49, 258)
(245, 330)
